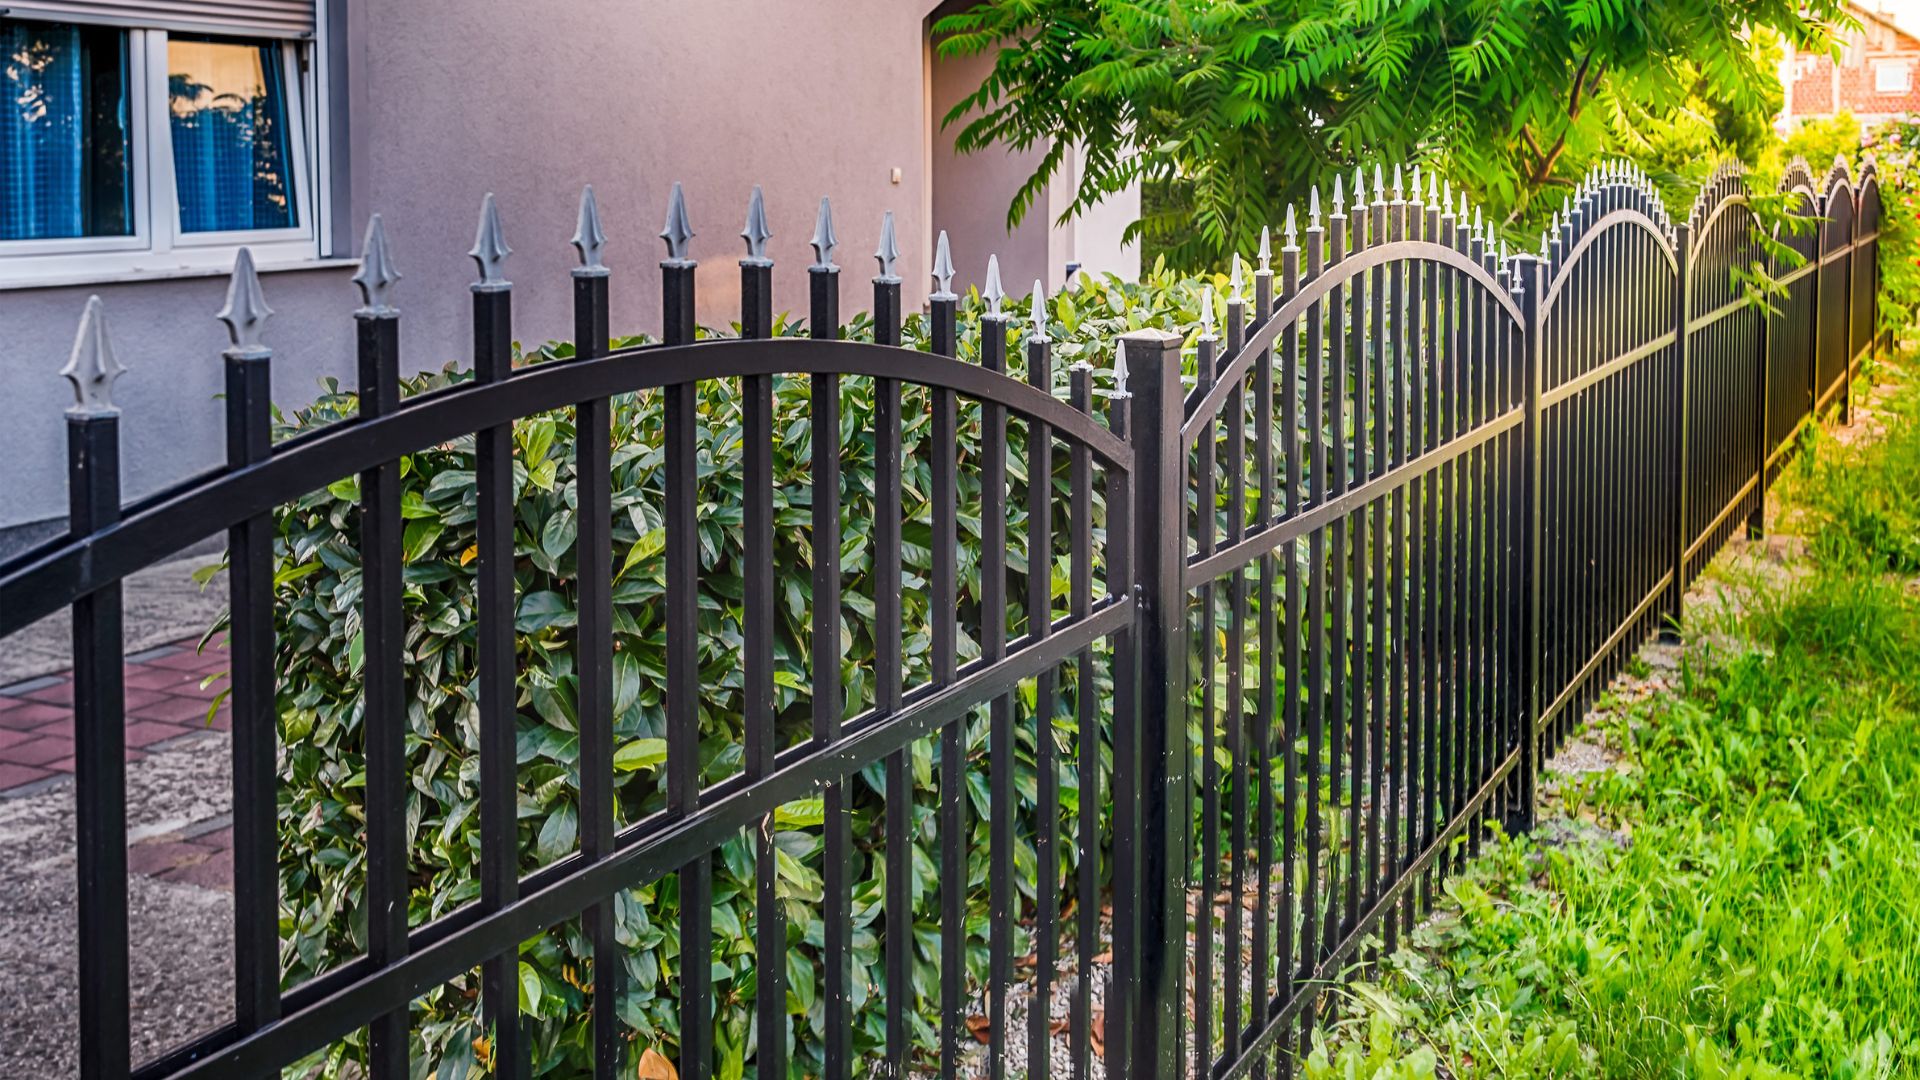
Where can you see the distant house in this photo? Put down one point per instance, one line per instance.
(142, 142)
(1877, 78)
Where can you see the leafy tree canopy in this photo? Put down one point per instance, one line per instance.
(1230, 109)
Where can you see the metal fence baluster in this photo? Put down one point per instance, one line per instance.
(1262, 752)
(680, 429)
(99, 695)
(993, 646)
(887, 657)
(1205, 634)
(1087, 738)
(253, 709)
(1039, 605)
(943, 335)
(593, 559)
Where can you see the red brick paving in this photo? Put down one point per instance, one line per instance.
(164, 701)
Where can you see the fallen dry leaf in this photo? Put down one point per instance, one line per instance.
(981, 1027)
(655, 1066)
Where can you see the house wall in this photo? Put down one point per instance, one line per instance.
(451, 99)
(1818, 87)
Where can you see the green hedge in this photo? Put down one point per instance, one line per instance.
(318, 656)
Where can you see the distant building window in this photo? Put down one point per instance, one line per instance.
(140, 149)
(1892, 76)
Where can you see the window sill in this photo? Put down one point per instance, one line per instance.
(128, 276)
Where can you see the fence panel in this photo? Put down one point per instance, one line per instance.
(1836, 286)
(1792, 328)
(1612, 346)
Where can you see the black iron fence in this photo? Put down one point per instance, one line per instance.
(1345, 573)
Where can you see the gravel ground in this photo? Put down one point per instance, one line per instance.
(181, 935)
(162, 605)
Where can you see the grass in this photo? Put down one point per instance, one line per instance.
(1741, 897)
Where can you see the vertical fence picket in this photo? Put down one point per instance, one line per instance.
(1266, 973)
(943, 334)
(888, 632)
(1233, 999)
(1039, 605)
(494, 648)
(99, 694)
(757, 617)
(682, 552)
(1087, 738)
(1205, 634)
(251, 645)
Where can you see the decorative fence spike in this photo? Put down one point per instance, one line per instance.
(1266, 248)
(1313, 207)
(92, 366)
(246, 313)
(823, 239)
(1206, 311)
(678, 231)
(490, 248)
(1339, 197)
(1399, 189)
(1433, 191)
(1416, 183)
(1120, 367)
(888, 253)
(1038, 314)
(1287, 229)
(1379, 189)
(991, 291)
(376, 276)
(1234, 284)
(588, 235)
(1359, 189)
(942, 269)
(756, 232)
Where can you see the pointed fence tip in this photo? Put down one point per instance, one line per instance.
(246, 313)
(1399, 188)
(1339, 196)
(376, 276)
(991, 291)
(1236, 286)
(678, 231)
(824, 240)
(1037, 315)
(589, 237)
(1287, 228)
(1266, 249)
(1313, 207)
(1206, 311)
(490, 248)
(1120, 366)
(943, 268)
(755, 232)
(92, 366)
(887, 254)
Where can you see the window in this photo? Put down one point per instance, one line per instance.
(1892, 76)
(133, 150)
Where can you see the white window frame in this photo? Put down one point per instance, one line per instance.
(158, 246)
(1883, 68)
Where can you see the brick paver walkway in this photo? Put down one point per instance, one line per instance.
(165, 701)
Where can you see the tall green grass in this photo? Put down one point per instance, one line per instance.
(1742, 898)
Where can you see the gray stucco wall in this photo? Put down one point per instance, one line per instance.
(451, 99)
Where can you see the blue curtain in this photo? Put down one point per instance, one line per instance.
(230, 158)
(43, 132)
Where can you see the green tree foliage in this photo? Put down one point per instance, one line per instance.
(1235, 107)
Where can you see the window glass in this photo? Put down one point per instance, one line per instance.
(228, 102)
(1891, 77)
(64, 150)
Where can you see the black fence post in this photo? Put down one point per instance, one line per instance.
(1813, 317)
(99, 710)
(1681, 418)
(1763, 427)
(1529, 282)
(1166, 816)
(250, 644)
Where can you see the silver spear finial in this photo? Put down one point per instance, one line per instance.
(1339, 197)
(823, 239)
(678, 231)
(246, 313)
(1235, 285)
(376, 276)
(490, 248)
(888, 253)
(1206, 312)
(991, 292)
(1120, 366)
(92, 367)
(1287, 229)
(588, 236)
(756, 231)
(942, 269)
(1313, 208)
(1266, 249)
(1038, 313)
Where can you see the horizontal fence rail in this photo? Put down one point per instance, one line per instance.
(1174, 701)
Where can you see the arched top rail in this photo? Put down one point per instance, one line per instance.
(1616, 219)
(54, 576)
(1200, 405)
(1705, 229)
